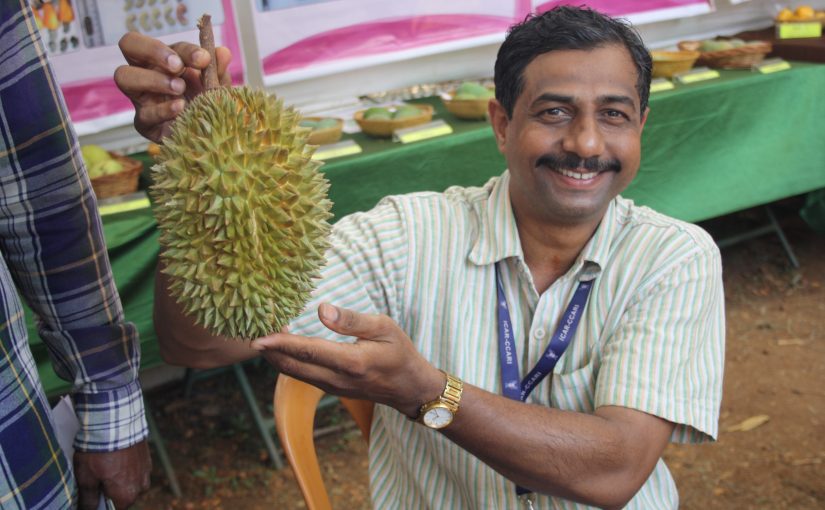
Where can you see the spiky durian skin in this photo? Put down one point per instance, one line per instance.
(242, 212)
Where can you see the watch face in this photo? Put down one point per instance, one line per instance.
(438, 417)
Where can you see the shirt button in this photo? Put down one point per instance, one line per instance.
(538, 333)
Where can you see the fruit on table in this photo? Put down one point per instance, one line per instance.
(406, 111)
(724, 44)
(472, 90)
(99, 162)
(242, 212)
(327, 123)
(378, 112)
(801, 13)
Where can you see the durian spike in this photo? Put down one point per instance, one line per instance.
(209, 77)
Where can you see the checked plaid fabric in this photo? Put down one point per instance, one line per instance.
(54, 256)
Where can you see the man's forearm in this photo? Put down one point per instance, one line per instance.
(184, 343)
(601, 459)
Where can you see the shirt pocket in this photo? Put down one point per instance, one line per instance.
(574, 391)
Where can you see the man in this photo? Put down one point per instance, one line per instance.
(53, 252)
(616, 311)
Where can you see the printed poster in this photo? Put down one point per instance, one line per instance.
(81, 39)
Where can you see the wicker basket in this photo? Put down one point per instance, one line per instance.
(668, 63)
(384, 128)
(326, 135)
(467, 109)
(121, 183)
(743, 57)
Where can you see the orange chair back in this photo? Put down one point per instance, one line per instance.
(294, 406)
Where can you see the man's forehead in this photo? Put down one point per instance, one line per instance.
(599, 72)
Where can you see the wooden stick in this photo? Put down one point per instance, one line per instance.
(209, 76)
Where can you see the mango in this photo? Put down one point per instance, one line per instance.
(377, 113)
(406, 111)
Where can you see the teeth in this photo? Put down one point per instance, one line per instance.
(578, 175)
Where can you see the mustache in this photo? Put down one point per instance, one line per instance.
(573, 162)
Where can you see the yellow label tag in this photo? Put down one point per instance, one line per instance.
(661, 84)
(773, 66)
(798, 30)
(128, 205)
(422, 132)
(337, 150)
(693, 77)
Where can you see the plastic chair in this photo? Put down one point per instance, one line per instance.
(294, 407)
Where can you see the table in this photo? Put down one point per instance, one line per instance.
(709, 149)
(811, 49)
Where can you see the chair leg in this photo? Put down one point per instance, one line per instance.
(263, 428)
(156, 439)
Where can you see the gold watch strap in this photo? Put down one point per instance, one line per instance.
(451, 396)
(452, 392)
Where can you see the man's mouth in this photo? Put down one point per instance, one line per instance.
(581, 176)
(575, 167)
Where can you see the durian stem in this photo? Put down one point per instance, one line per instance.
(209, 77)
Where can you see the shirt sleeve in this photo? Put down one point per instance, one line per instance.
(51, 239)
(365, 268)
(666, 357)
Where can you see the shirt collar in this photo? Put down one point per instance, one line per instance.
(498, 236)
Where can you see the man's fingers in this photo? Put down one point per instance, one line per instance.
(88, 495)
(192, 55)
(145, 51)
(337, 357)
(134, 81)
(122, 496)
(150, 116)
(322, 377)
(361, 325)
(224, 57)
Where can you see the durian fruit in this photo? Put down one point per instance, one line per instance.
(242, 210)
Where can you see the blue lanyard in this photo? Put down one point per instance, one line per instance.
(508, 358)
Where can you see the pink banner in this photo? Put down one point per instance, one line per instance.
(382, 37)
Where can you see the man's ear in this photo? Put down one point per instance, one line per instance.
(644, 118)
(499, 121)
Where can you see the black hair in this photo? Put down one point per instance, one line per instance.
(564, 28)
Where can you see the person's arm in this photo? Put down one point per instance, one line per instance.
(51, 239)
(600, 459)
(184, 343)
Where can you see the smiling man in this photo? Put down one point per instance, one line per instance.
(538, 340)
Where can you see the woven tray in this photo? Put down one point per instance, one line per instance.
(467, 109)
(121, 183)
(743, 57)
(384, 128)
(326, 135)
(668, 63)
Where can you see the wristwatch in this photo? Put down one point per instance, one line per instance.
(440, 412)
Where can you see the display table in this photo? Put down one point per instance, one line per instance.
(709, 149)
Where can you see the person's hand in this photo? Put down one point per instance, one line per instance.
(160, 79)
(120, 475)
(381, 366)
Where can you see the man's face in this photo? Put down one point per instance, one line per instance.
(573, 142)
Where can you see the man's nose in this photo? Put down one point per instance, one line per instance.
(584, 138)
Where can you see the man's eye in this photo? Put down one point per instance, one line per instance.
(553, 111)
(616, 114)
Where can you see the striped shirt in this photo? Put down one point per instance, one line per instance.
(52, 252)
(651, 337)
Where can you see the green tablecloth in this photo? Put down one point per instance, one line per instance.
(709, 149)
